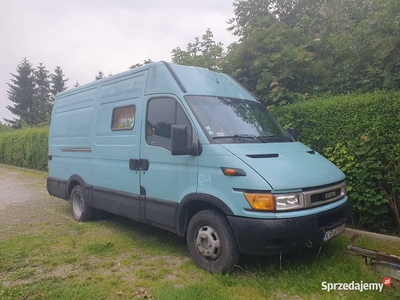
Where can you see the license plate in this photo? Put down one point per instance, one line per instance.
(330, 234)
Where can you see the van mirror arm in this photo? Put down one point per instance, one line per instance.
(195, 149)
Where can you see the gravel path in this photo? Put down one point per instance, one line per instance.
(16, 187)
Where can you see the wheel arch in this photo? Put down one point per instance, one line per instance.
(192, 204)
(73, 181)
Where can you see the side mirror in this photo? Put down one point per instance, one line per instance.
(293, 133)
(179, 140)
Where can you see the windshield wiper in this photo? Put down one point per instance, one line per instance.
(239, 136)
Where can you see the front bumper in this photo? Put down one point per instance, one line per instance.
(271, 236)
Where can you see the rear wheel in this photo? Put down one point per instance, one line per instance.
(80, 209)
(211, 242)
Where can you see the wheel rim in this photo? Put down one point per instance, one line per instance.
(77, 204)
(208, 242)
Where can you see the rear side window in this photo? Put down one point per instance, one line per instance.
(123, 118)
(161, 114)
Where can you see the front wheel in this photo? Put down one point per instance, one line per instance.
(211, 242)
(80, 209)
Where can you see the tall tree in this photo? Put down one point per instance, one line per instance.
(58, 84)
(204, 53)
(21, 93)
(246, 14)
(273, 61)
(42, 95)
(290, 48)
(307, 14)
(363, 38)
(100, 75)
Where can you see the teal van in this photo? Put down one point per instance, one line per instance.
(191, 151)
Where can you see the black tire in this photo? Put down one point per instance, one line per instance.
(80, 209)
(211, 242)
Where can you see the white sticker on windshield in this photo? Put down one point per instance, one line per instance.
(220, 134)
(208, 127)
(210, 132)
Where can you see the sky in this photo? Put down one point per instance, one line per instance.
(85, 36)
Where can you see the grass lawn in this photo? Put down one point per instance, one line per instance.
(45, 254)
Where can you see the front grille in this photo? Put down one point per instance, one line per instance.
(325, 195)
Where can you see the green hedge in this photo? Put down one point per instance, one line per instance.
(360, 133)
(25, 148)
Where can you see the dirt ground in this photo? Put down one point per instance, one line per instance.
(14, 187)
(18, 187)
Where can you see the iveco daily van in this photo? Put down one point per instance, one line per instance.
(191, 151)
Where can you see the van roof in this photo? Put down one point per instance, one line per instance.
(176, 79)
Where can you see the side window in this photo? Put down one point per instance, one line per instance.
(161, 114)
(123, 118)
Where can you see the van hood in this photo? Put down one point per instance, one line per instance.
(287, 165)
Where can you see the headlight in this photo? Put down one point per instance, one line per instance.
(287, 202)
(269, 202)
(344, 189)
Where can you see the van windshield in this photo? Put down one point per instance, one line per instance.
(231, 120)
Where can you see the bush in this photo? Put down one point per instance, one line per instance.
(360, 134)
(25, 148)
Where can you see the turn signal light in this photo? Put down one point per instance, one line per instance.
(261, 201)
(229, 172)
(233, 172)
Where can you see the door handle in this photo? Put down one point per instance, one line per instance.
(134, 164)
(139, 164)
(144, 164)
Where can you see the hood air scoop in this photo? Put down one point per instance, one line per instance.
(271, 155)
(263, 155)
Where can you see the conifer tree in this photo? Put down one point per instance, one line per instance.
(21, 93)
(42, 95)
(58, 84)
(145, 62)
(100, 75)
